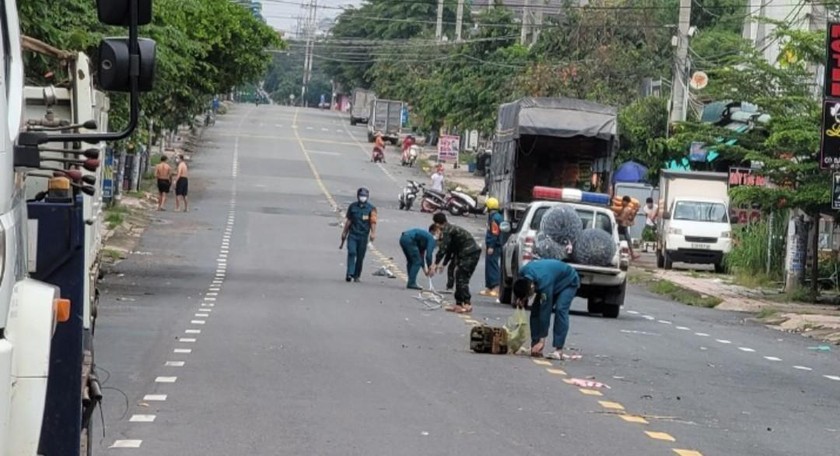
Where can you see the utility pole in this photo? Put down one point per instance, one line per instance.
(309, 30)
(439, 28)
(526, 16)
(535, 33)
(459, 20)
(679, 88)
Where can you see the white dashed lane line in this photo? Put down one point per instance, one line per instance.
(803, 368)
(174, 364)
(142, 419)
(127, 444)
(772, 358)
(832, 377)
(746, 349)
(166, 379)
(154, 397)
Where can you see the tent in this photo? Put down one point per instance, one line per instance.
(630, 172)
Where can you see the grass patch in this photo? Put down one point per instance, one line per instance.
(752, 280)
(680, 294)
(112, 254)
(767, 312)
(115, 216)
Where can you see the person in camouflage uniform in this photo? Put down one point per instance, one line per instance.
(452, 262)
(456, 242)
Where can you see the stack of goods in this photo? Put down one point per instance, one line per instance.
(488, 339)
(617, 206)
(562, 237)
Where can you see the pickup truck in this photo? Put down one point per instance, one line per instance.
(603, 287)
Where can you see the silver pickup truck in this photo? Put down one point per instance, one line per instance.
(603, 287)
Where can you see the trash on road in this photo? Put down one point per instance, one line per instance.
(588, 383)
(518, 330)
(384, 272)
(822, 348)
(431, 298)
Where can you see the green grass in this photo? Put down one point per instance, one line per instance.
(115, 216)
(111, 254)
(767, 312)
(683, 295)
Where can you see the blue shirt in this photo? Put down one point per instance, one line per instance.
(361, 215)
(550, 276)
(493, 238)
(424, 241)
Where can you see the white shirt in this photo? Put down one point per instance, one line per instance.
(650, 213)
(437, 182)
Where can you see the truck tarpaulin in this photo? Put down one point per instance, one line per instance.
(569, 129)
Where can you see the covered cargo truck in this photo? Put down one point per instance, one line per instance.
(386, 118)
(360, 106)
(552, 142)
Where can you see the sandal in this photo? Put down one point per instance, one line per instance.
(560, 356)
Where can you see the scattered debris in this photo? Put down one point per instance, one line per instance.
(588, 383)
(822, 348)
(384, 272)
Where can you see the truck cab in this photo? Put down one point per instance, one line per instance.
(603, 287)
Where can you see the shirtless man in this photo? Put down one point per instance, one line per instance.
(181, 183)
(163, 174)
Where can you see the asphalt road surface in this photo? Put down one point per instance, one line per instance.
(231, 331)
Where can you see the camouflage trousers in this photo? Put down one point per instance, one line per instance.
(464, 270)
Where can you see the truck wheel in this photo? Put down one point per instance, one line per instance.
(595, 305)
(660, 259)
(505, 288)
(394, 141)
(614, 301)
(667, 262)
(352, 122)
(370, 137)
(611, 311)
(720, 268)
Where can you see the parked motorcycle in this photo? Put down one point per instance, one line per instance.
(409, 194)
(409, 158)
(378, 155)
(460, 203)
(433, 200)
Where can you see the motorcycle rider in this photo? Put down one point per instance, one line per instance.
(406, 147)
(493, 243)
(379, 145)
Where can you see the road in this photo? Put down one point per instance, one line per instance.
(231, 331)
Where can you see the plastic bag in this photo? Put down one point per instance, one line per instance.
(518, 330)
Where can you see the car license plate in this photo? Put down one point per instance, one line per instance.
(701, 246)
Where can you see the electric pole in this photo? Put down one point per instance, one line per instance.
(309, 30)
(679, 88)
(526, 16)
(459, 20)
(439, 28)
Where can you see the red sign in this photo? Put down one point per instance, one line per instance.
(832, 64)
(744, 176)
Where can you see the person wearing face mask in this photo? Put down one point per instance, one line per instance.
(359, 226)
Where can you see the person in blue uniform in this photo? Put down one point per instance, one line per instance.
(418, 246)
(493, 244)
(359, 226)
(553, 284)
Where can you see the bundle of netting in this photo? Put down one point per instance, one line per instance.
(595, 247)
(562, 224)
(545, 247)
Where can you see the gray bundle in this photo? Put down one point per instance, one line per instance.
(562, 224)
(595, 247)
(545, 247)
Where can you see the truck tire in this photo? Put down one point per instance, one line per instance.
(720, 268)
(667, 262)
(660, 259)
(614, 300)
(352, 121)
(370, 137)
(505, 288)
(595, 305)
(394, 141)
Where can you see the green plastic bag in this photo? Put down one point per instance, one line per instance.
(518, 330)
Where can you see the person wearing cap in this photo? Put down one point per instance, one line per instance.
(417, 244)
(379, 143)
(493, 244)
(553, 284)
(359, 227)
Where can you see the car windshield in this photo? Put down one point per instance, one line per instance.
(590, 219)
(701, 211)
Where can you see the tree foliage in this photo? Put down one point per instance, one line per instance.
(204, 47)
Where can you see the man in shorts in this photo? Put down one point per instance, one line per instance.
(163, 174)
(182, 185)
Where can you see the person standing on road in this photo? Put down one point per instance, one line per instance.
(650, 211)
(163, 174)
(625, 221)
(359, 227)
(182, 185)
(452, 262)
(419, 247)
(555, 285)
(493, 243)
(458, 242)
(437, 178)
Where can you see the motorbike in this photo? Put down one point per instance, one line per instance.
(378, 155)
(433, 200)
(460, 203)
(410, 157)
(409, 194)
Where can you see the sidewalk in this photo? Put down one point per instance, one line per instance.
(454, 176)
(817, 321)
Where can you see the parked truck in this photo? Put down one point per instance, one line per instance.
(694, 226)
(567, 146)
(50, 153)
(360, 106)
(385, 118)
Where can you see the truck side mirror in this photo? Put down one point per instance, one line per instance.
(118, 12)
(115, 64)
(505, 227)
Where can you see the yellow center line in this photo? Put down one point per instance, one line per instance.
(542, 362)
(590, 392)
(611, 405)
(687, 452)
(634, 419)
(660, 436)
(555, 371)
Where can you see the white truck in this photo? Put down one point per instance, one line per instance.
(385, 118)
(694, 225)
(59, 143)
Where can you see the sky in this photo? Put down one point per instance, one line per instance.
(282, 14)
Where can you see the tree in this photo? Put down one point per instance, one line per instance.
(641, 124)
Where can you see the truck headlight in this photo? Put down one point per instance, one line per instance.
(674, 231)
(726, 234)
